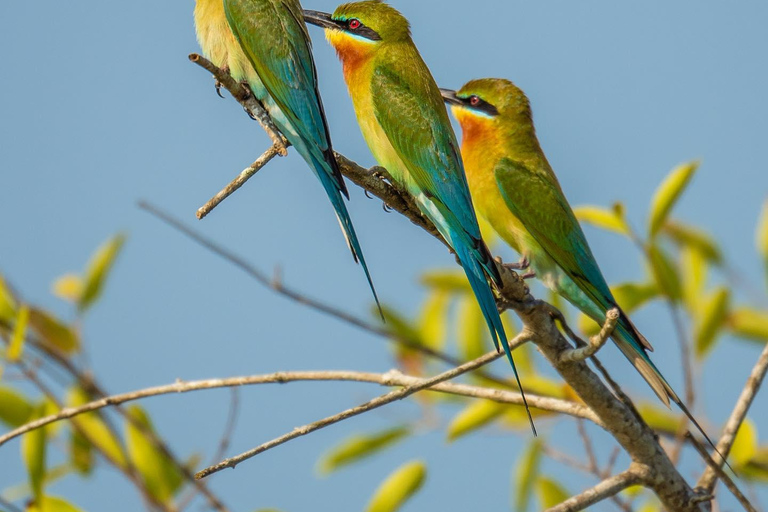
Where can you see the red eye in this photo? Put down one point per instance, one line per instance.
(474, 101)
(354, 24)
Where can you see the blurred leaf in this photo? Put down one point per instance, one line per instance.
(633, 491)
(757, 468)
(522, 354)
(33, 448)
(402, 328)
(694, 238)
(749, 323)
(69, 287)
(52, 504)
(94, 430)
(358, 447)
(665, 272)
(667, 195)
(8, 303)
(80, 453)
(762, 236)
(745, 445)
(471, 329)
(601, 218)
(651, 506)
(631, 296)
(434, 319)
(476, 415)
(550, 492)
(451, 281)
(710, 320)
(16, 347)
(694, 276)
(161, 477)
(659, 418)
(403, 483)
(15, 409)
(545, 386)
(526, 473)
(54, 332)
(587, 326)
(98, 269)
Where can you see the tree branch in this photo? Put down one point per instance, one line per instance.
(595, 342)
(605, 489)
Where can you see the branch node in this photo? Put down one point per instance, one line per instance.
(596, 342)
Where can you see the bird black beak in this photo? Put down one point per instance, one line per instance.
(449, 96)
(321, 19)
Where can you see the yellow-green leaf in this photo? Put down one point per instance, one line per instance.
(33, 448)
(667, 195)
(400, 486)
(471, 329)
(694, 269)
(476, 415)
(160, 476)
(659, 418)
(16, 346)
(434, 319)
(94, 430)
(757, 468)
(7, 303)
(98, 269)
(710, 320)
(631, 296)
(52, 504)
(665, 272)
(451, 281)
(550, 492)
(15, 410)
(69, 287)
(526, 473)
(749, 323)
(685, 235)
(745, 445)
(358, 447)
(80, 453)
(522, 354)
(762, 236)
(53, 331)
(601, 218)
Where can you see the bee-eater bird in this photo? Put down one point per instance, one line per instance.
(403, 119)
(515, 189)
(265, 44)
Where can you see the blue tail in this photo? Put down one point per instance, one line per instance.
(475, 260)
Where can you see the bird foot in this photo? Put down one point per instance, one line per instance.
(520, 265)
(218, 85)
(528, 275)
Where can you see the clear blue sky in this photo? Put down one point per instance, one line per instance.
(99, 108)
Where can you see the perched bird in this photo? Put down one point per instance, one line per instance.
(265, 44)
(403, 119)
(515, 189)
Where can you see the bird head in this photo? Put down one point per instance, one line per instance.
(360, 27)
(489, 102)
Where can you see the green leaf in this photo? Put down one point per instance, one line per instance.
(762, 236)
(160, 476)
(745, 445)
(710, 320)
(52, 504)
(549, 492)
(33, 448)
(358, 447)
(749, 323)
(659, 418)
(526, 473)
(53, 331)
(476, 415)
(434, 319)
(757, 468)
(667, 195)
(80, 453)
(8, 303)
(95, 431)
(665, 273)
(69, 287)
(631, 296)
(602, 218)
(98, 269)
(694, 277)
(398, 488)
(15, 409)
(471, 329)
(16, 347)
(451, 281)
(694, 238)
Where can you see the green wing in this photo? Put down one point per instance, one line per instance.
(537, 200)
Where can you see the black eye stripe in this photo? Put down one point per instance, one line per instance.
(357, 27)
(475, 102)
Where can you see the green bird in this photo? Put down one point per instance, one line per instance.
(403, 119)
(265, 43)
(514, 188)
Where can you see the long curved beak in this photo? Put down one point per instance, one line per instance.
(449, 96)
(320, 19)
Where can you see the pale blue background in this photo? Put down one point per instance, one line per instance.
(99, 107)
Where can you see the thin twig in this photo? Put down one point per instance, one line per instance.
(605, 489)
(715, 467)
(367, 406)
(595, 342)
(687, 362)
(709, 478)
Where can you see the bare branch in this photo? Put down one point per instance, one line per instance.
(709, 478)
(605, 489)
(596, 342)
(367, 406)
